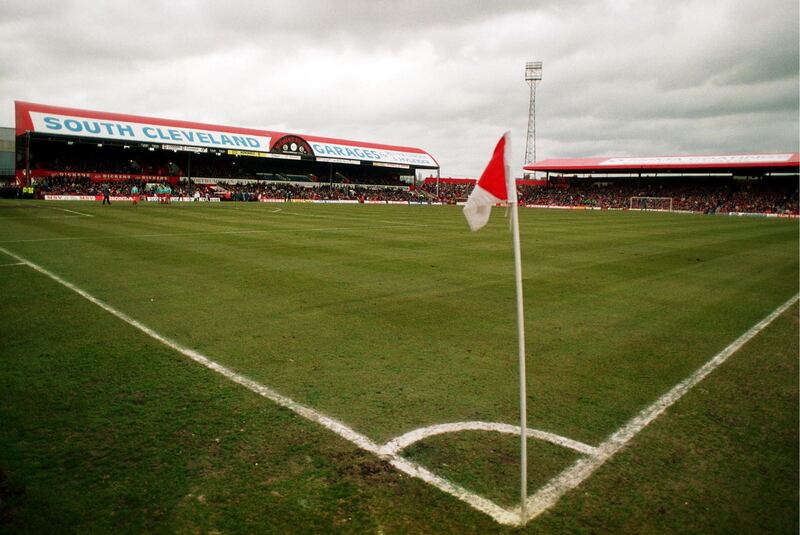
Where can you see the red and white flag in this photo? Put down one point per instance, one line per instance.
(491, 188)
(494, 186)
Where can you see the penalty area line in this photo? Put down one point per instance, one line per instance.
(406, 466)
(208, 233)
(71, 211)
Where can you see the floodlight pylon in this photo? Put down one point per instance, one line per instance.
(533, 75)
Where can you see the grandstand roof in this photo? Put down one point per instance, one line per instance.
(733, 163)
(56, 120)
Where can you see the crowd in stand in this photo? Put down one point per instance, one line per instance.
(448, 193)
(688, 195)
(257, 178)
(243, 191)
(712, 197)
(748, 197)
(219, 169)
(202, 167)
(337, 192)
(111, 165)
(69, 185)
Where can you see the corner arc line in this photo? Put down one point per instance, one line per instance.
(401, 442)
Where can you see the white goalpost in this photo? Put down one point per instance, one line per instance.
(660, 204)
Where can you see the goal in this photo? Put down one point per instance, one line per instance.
(661, 204)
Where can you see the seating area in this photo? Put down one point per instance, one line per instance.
(70, 185)
(81, 169)
(83, 159)
(695, 195)
(745, 197)
(448, 192)
(231, 190)
(772, 195)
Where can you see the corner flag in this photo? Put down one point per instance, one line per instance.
(491, 187)
(496, 185)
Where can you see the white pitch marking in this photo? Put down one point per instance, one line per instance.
(335, 426)
(551, 493)
(500, 515)
(193, 234)
(406, 466)
(545, 497)
(365, 219)
(14, 264)
(398, 444)
(54, 208)
(71, 211)
(54, 216)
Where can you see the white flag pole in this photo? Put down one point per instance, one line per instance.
(511, 185)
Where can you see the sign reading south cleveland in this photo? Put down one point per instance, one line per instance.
(153, 133)
(149, 131)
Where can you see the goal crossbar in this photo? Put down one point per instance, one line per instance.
(651, 203)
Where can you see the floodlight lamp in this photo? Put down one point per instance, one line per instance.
(533, 71)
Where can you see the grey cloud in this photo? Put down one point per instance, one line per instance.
(651, 77)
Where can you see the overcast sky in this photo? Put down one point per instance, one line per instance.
(621, 78)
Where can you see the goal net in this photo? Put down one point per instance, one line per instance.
(662, 204)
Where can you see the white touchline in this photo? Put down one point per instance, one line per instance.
(543, 499)
(549, 494)
(339, 428)
(13, 264)
(406, 466)
(488, 507)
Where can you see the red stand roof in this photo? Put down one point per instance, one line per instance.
(56, 120)
(788, 162)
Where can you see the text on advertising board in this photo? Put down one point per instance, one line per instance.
(372, 155)
(129, 131)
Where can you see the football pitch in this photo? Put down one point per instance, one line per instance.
(292, 368)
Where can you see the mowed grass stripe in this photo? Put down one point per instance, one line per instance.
(721, 460)
(434, 322)
(106, 430)
(392, 329)
(168, 221)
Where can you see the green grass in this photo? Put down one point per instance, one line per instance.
(388, 318)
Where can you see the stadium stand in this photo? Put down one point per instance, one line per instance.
(710, 196)
(65, 151)
(733, 183)
(448, 192)
(693, 195)
(52, 140)
(231, 190)
(771, 195)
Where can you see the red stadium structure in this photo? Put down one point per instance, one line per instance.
(99, 145)
(754, 165)
(432, 180)
(763, 184)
